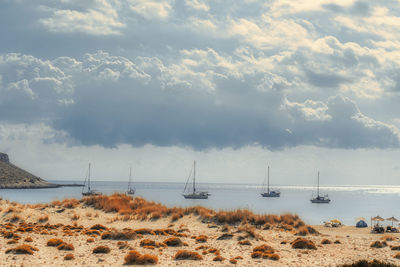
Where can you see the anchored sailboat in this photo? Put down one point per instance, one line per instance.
(270, 193)
(194, 194)
(320, 199)
(131, 191)
(89, 192)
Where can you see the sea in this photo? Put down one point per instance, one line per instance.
(347, 202)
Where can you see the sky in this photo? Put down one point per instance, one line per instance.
(300, 86)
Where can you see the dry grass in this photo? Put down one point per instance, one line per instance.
(218, 258)
(201, 238)
(173, 242)
(65, 246)
(378, 244)
(142, 210)
(69, 257)
(233, 261)
(134, 257)
(302, 243)
(12, 241)
(245, 243)
(119, 235)
(366, 263)
(187, 255)
(326, 242)
(43, 218)
(28, 239)
(397, 256)
(22, 249)
(388, 238)
(101, 250)
(54, 242)
(98, 227)
(90, 240)
(75, 217)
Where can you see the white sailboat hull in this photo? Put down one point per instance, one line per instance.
(320, 201)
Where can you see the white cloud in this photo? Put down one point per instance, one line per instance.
(198, 5)
(101, 19)
(149, 9)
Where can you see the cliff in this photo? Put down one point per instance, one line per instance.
(13, 177)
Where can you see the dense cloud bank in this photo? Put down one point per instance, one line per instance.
(203, 102)
(203, 74)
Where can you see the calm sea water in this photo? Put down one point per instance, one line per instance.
(348, 202)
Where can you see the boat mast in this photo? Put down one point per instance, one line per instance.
(318, 185)
(268, 181)
(194, 177)
(130, 175)
(89, 178)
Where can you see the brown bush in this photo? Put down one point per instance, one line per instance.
(22, 249)
(215, 251)
(326, 242)
(397, 256)
(272, 256)
(65, 246)
(365, 263)
(43, 218)
(134, 257)
(302, 243)
(69, 257)
(98, 227)
(264, 248)
(187, 255)
(101, 250)
(119, 235)
(28, 239)
(54, 242)
(245, 243)
(337, 242)
(233, 261)
(395, 247)
(388, 238)
(147, 242)
(12, 241)
(201, 239)
(218, 258)
(303, 231)
(90, 240)
(144, 231)
(75, 217)
(173, 242)
(378, 244)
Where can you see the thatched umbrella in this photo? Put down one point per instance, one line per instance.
(393, 219)
(378, 218)
(336, 221)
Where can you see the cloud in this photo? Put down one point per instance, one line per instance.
(99, 19)
(159, 10)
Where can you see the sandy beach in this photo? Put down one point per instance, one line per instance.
(119, 224)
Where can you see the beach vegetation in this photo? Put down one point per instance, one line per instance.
(187, 255)
(101, 250)
(134, 257)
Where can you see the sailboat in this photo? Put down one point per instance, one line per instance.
(270, 193)
(318, 198)
(194, 194)
(131, 191)
(89, 192)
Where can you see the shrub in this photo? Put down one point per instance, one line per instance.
(365, 263)
(201, 239)
(90, 240)
(273, 256)
(134, 257)
(388, 238)
(22, 249)
(54, 242)
(264, 249)
(326, 242)
(173, 242)
(187, 255)
(119, 235)
(65, 246)
(75, 217)
(245, 243)
(302, 243)
(144, 231)
(337, 242)
(218, 258)
(28, 239)
(101, 250)
(397, 256)
(12, 241)
(43, 219)
(395, 248)
(378, 244)
(214, 251)
(147, 242)
(98, 227)
(233, 261)
(69, 257)
(303, 231)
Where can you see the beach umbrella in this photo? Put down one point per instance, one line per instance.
(336, 221)
(393, 219)
(360, 219)
(378, 218)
